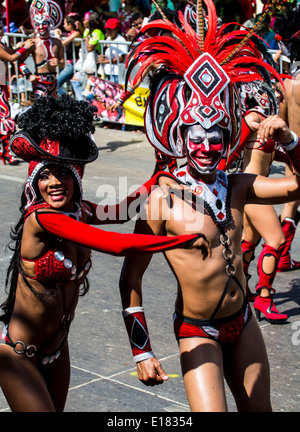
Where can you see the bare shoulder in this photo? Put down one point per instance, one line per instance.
(155, 198)
(31, 224)
(152, 214)
(292, 87)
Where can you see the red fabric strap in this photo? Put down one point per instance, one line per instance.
(126, 95)
(21, 51)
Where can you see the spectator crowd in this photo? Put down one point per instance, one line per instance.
(100, 21)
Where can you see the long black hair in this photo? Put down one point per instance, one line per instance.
(14, 265)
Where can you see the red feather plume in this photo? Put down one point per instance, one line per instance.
(232, 50)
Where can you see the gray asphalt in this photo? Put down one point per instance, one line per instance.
(103, 373)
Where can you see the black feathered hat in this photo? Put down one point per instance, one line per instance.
(55, 131)
(58, 129)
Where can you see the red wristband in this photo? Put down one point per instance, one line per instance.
(135, 321)
(125, 95)
(21, 51)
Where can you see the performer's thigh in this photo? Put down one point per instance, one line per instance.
(57, 378)
(247, 370)
(22, 384)
(202, 369)
(250, 233)
(264, 219)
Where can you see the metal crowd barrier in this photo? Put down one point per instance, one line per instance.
(19, 84)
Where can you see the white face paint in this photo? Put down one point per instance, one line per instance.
(42, 25)
(204, 148)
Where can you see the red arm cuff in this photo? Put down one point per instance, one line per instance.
(136, 326)
(22, 51)
(126, 95)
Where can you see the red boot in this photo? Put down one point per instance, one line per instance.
(248, 247)
(265, 280)
(286, 263)
(266, 306)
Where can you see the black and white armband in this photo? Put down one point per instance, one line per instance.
(135, 322)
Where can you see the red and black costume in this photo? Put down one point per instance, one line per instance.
(44, 13)
(198, 84)
(256, 97)
(72, 153)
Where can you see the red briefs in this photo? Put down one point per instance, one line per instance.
(223, 330)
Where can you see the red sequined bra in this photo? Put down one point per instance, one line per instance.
(52, 267)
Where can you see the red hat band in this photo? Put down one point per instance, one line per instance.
(24, 146)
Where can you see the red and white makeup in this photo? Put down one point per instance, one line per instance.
(56, 186)
(204, 148)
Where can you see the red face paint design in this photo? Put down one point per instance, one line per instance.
(204, 148)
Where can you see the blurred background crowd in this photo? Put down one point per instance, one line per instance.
(106, 28)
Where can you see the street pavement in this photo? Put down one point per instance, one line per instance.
(103, 376)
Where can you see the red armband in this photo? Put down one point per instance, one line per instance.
(23, 68)
(125, 95)
(21, 51)
(136, 326)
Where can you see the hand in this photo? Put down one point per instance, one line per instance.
(57, 32)
(33, 78)
(273, 127)
(53, 62)
(29, 44)
(150, 372)
(131, 34)
(102, 59)
(168, 185)
(114, 106)
(252, 116)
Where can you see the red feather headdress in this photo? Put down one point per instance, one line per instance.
(203, 69)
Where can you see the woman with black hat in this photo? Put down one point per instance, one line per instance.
(52, 252)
